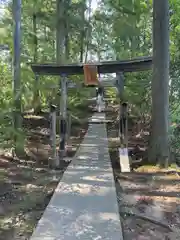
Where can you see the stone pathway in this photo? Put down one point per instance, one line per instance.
(84, 205)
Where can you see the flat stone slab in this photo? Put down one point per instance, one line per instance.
(84, 205)
(124, 160)
(97, 118)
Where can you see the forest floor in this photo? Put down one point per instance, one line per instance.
(26, 185)
(148, 197)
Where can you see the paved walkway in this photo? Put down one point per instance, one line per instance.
(84, 205)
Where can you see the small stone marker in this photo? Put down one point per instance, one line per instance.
(124, 160)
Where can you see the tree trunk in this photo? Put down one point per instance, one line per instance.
(35, 40)
(60, 37)
(19, 141)
(36, 100)
(89, 31)
(60, 31)
(82, 35)
(67, 44)
(66, 30)
(61, 54)
(159, 145)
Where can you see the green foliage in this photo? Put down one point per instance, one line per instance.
(118, 30)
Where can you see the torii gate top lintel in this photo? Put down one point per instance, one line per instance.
(133, 65)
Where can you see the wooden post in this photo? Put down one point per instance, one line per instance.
(120, 125)
(123, 123)
(69, 127)
(53, 159)
(123, 150)
(36, 102)
(63, 118)
(126, 128)
(120, 87)
(120, 83)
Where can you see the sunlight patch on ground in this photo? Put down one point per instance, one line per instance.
(96, 178)
(153, 168)
(83, 189)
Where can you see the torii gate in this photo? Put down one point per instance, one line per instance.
(118, 67)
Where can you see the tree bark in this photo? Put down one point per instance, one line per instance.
(89, 30)
(60, 31)
(159, 145)
(36, 100)
(61, 54)
(19, 139)
(82, 35)
(66, 30)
